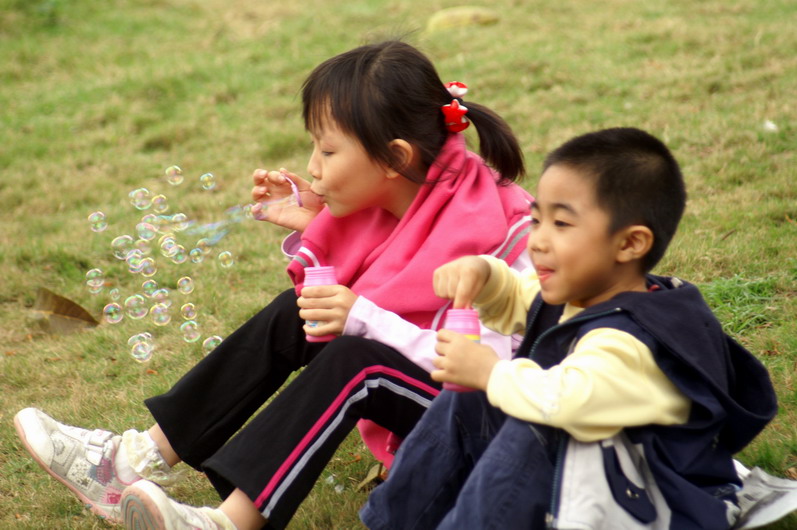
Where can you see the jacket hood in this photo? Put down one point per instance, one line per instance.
(702, 357)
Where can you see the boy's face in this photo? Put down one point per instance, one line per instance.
(570, 245)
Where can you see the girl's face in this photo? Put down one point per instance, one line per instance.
(344, 176)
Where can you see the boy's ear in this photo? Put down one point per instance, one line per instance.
(635, 242)
(403, 154)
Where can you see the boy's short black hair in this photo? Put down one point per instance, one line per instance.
(637, 181)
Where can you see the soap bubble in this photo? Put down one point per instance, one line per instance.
(138, 337)
(136, 306)
(114, 293)
(143, 246)
(161, 296)
(121, 246)
(95, 279)
(148, 267)
(146, 231)
(204, 245)
(190, 331)
(135, 261)
(149, 287)
(141, 198)
(179, 222)
(210, 343)
(160, 314)
(196, 255)
(174, 175)
(97, 221)
(180, 255)
(112, 313)
(142, 351)
(151, 218)
(188, 311)
(168, 245)
(141, 347)
(207, 181)
(226, 260)
(185, 285)
(160, 203)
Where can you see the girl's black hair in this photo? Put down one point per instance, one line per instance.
(382, 92)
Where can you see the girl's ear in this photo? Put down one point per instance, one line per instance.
(404, 156)
(635, 242)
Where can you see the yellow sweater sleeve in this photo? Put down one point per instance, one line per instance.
(505, 300)
(609, 382)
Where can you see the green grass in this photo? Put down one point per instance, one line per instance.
(97, 98)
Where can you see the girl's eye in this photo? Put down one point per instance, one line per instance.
(561, 224)
(326, 153)
(534, 221)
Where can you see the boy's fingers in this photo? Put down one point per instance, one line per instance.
(462, 299)
(439, 284)
(463, 296)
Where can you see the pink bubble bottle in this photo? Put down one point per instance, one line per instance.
(465, 321)
(319, 276)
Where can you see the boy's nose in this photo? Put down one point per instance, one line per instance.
(536, 241)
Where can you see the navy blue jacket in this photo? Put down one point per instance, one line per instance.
(731, 393)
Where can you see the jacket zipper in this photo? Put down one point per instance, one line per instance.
(553, 514)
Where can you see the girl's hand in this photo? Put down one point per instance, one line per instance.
(329, 305)
(272, 193)
(462, 361)
(461, 280)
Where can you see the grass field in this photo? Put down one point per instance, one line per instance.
(97, 98)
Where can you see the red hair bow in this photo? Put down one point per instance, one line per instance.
(454, 112)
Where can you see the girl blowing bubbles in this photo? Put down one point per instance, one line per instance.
(393, 188)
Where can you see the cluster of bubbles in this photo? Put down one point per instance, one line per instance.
(161, 239)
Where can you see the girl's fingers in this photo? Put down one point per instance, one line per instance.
(302, 184)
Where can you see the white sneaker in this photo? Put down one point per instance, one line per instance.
(763, 499)
(146, 506)
(81, 459)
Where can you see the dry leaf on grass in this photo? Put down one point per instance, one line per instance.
(60, 315)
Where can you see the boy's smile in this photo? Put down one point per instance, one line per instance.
(577, 260)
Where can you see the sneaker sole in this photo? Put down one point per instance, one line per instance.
(96, 510)
(140, 510)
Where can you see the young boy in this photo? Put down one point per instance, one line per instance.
(626, 400)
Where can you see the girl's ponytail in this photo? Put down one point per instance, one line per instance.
(497, 143)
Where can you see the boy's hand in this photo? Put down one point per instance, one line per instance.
(461, 280)
(329, 305)
(462, 361)
(271, 187)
